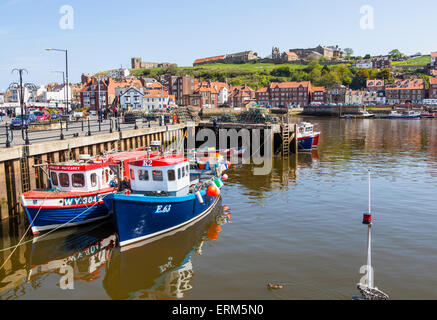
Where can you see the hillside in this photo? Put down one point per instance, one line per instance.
(417, 61)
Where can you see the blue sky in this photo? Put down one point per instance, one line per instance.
(107, 34)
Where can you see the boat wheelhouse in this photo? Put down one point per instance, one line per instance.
(163, 198)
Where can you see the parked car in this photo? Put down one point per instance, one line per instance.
(55, 116)
(21, 121)
(41, 115)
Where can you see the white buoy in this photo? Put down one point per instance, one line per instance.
(199, 196)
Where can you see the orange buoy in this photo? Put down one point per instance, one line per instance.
(228, 163)
(213, 191)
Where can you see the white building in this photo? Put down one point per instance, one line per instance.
(364, 65)
(155, 99)
(131, 97)
(118, 73)
(56, 94)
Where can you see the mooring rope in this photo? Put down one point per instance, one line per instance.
(19, 242)
(47, 233)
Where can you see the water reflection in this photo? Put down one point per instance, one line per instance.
(283, 175)
(156, 270)
(162, 269)
(75, 254)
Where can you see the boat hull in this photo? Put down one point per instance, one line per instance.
(305, 143)
(45, 214)
(316, 140)
(139, 218)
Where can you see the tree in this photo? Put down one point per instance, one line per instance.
(395, 53)
(360, 79)
(349, 52)
(284, 71)
(330, 79)
(325, 70)
(384, 74)
(367, 56)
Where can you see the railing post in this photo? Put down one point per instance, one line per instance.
(110, 125)
(135, 120)
(119, 127)
(89, 128)
(62, 134)
(27, 142)
(82, 125)
(100, 126)
(8, 143)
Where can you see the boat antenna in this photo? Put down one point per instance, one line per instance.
(367, 290)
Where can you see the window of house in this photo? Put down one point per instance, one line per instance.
(78, 180)
(143, 175)
(64, 179)
(171, 175)
(93, 179)
(157, 175)
(54, 177)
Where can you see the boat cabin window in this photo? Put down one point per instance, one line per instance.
(54, 177)
(157, 175)
(179, 173)
(132, 175)
(78, 180)
(93, 179)
(143, 175)
(171, 175)
(64, 180)
(186, 168)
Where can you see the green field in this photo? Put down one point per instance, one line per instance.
(418, 61)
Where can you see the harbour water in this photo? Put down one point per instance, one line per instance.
(299, 226)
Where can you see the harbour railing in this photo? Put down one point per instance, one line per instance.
(70, 129)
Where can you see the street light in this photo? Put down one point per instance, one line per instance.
(20, 86)
(66, 67)
(63, 82)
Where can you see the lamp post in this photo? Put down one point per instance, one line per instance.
(66, 68)
(63, 82)
(21, 87)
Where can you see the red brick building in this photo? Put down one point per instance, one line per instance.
(241, 95)
(180, 86)
(432, 68)
(289, 94)
(433, 88)
(262, 96)
(381, 62)
(318, 95)
(89, 94)
(405, 91)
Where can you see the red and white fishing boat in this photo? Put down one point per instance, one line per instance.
(77, 190)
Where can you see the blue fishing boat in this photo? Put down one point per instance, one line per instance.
(162, 198)
(306, 136)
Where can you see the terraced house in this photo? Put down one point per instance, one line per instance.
(241, 95)
(433, 88)
(405, 91)
(285, 94)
